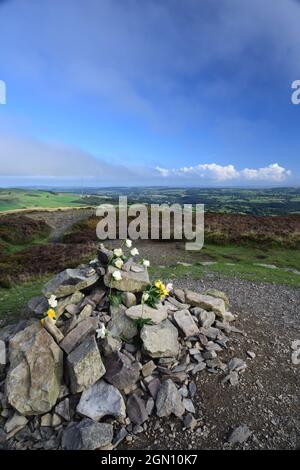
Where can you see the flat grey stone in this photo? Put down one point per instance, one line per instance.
(136, 409)
(101, 399)
(121, 371)
(85, 365)
(87, 435)
(78, 334)
(169, 400)
(144, 312)
(130, 282)
(160, 340)
(69, 281)
(186, 322)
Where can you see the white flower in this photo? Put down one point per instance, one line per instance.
(134, 252)
(52, 301)
(119, 263)
(169, 287)
(128, 243)
(146, 263)
(117, 275)
(101, 331)
(145, 296)
(118, 252)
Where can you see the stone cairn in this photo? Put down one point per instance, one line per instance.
(97, 372)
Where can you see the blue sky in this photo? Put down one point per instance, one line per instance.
(149, 92)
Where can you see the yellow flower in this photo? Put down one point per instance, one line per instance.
(51, 314)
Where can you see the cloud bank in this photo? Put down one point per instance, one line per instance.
(31, 158)
(273, 173)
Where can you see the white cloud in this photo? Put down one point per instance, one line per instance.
(205, 170)
(273, 172)
(213, 171)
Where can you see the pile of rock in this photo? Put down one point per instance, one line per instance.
(65, 385)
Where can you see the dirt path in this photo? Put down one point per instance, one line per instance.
(267, 398)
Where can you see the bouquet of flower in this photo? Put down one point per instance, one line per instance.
(156, 292)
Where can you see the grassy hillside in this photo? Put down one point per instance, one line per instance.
(12, 199)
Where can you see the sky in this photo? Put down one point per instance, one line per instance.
(149, 92)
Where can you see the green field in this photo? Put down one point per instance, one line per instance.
(12, 199)
(275, 201)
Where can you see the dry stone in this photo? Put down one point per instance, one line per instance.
(121, 371)
(87, 435)
(130, 282)
(169, 400)
(144, 312)
(78, 334)
(121, 326)
(85, 366)
(101, 399)
(207, 319)
(206, 302)
(136, 409)
(160, 340)
(69, 281)
(34, 379)
(186, 323)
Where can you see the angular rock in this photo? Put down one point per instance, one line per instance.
(87, 435)
(34, 379)
(46, 420)
(188, 404)
(136, 409)
(85, 365)
(206, 302)
(85, 312)
(38, 306)
(169, 400)
(150, 406)
(74, 299)
(63, 409)
(15, 423)
(128, 299)
(240, 434)
(53, 330)
(206, 319)
(100, 400)
(130, 282)
(104, 255)
(186, 323)
(179, 295)
(148, 368)
(121, 371)
(218, 294)
(155, 315)
(211, 332)
(110, 345)
(69, 281)
(120, 436)
(56, 420)
(78, 334)
(177, 304)
(160, 340)
(120, 325)
(153, 387)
